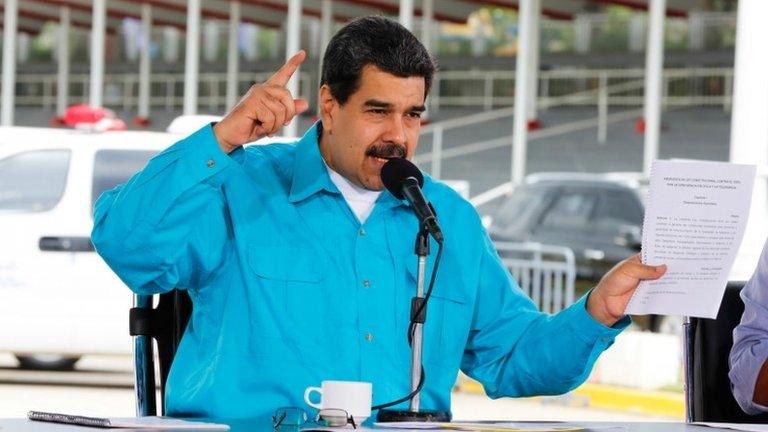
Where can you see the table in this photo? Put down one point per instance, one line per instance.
(23, 425)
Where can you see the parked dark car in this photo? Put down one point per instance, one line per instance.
(598, 216)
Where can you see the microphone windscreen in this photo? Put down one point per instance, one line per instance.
(394, 173)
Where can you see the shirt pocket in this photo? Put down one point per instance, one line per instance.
(292, 304)
(448, 317)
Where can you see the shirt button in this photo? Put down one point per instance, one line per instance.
(366, 283)
(369, 337)
(361, 232)
(211, 163)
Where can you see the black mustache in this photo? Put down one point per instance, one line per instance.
(386, 151)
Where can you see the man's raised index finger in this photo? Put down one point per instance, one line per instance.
(284, 74)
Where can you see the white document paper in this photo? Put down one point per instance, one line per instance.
(481, 427)
(162, 423)
(736, 426)
(149, 423)
(695, 216)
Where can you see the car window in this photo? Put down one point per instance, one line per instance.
(620, 208)
(572, 209)
(114, 167)
(33, 180)
(519, 205)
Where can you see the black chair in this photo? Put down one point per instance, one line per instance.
(165, 324)
(707, 347)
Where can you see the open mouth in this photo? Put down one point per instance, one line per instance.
(383, 159)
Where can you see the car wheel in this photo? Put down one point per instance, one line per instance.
(47, 362)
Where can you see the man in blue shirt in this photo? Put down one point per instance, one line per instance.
(299, 274)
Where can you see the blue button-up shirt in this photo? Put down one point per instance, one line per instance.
(289, 289)
(750, 338)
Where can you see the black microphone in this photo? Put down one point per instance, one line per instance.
(403, 180)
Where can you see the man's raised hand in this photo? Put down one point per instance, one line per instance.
(263, 110)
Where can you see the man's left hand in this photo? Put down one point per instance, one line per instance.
(609, 299)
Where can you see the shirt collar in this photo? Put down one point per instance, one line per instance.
(309, 173)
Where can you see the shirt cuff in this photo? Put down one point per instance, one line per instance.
(588, 328)
(203, 158)
(743, 376)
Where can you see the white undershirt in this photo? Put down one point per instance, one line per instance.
(360, 200)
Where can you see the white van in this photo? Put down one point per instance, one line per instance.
(58, 299)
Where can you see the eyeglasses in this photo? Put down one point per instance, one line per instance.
(295, 417)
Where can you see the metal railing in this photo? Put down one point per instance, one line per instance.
(600, 88)
(602, 96)
(485, 89)
(547, 274)
(489, 89)
(122, 90)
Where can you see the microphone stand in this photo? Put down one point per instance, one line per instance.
(414, 414)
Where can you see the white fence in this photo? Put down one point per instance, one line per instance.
(681, 87)
(486, 89)
(547, 274)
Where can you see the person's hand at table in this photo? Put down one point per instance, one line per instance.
(263, 110)
(608, 301)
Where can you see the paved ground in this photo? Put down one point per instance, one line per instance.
(112, 395)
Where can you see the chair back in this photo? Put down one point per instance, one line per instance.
(165, 325)
(708, 346)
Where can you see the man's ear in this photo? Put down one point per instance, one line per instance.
(328, 105)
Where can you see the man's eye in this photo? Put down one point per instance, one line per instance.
(378, 111)
(415, 114)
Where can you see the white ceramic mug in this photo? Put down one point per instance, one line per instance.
(354, 397)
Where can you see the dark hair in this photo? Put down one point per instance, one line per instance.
(378, 41)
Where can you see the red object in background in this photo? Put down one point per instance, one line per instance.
(56, 121)
(640, 126)
(142, 121)
(534, 124)
(85, 114)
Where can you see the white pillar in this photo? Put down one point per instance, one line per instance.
(654, 62)
(62, 75)
(326, 27)
(10, 21)
(406, 14)
(144, 60)
(526, 17)
(233, 56)
(98, 31)
(749, 131)
(533, 64)
(427, 18)
(192, 57)
(293, 38)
